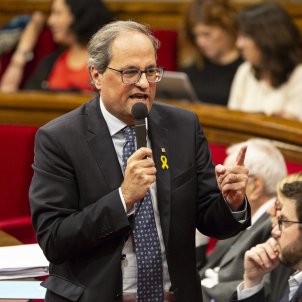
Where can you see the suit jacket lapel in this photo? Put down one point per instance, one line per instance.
(160, 147)
(242, 242)
(101, 146)
(222, 247)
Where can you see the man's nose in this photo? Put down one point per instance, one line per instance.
(276, 233)
(143, 81)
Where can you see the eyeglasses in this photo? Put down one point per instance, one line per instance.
(285, 223)
(132, 75)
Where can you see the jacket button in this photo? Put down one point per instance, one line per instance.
(117, 296)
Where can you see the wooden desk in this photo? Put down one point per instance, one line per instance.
(6, 239)
(222, 126)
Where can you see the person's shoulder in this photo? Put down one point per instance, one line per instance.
(70, 119)
(297, 72)
(245, 67)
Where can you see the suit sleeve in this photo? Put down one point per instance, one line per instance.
(258, 297)
(64, 229)
(214, 217)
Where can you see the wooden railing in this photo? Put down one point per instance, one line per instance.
(159, 14)
(222, 126)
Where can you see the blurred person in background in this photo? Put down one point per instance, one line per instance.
(270, 79)
(224, 266)
(13, 74)
(72, 23)
(212, 61)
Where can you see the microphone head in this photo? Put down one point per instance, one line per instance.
(139, 111)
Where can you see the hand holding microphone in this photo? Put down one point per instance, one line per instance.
(140, 172)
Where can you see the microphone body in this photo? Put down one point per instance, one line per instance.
(140, 133)
(139, 112)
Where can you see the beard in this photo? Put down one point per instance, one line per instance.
(291, 255)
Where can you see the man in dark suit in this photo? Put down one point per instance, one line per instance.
(224, 267)
(85, 207)
(284, 247)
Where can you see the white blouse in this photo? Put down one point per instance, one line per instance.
(251, 95)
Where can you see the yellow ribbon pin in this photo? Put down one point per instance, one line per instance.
(164, 162)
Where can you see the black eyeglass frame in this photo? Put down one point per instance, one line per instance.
(140, 72)
(281, 221)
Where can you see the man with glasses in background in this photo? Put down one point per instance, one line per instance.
(285, 247)
(118, 224)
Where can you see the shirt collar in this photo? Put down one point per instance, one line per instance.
(295, 279)
(114, 124)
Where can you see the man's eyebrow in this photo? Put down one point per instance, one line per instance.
(282, 216)
(135, 67)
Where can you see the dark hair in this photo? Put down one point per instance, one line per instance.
(276, 36)
(89, 17)
(293, 190)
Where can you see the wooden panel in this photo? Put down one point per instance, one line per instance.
(221, 125)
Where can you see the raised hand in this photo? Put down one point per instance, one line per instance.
(232, 180)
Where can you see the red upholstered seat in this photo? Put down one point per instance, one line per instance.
(16, 155)
(167, 53)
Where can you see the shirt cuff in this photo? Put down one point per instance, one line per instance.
(240, 216)
(131, 211)
(244, 293)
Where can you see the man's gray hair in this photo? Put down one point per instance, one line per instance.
(100, 45)
(262, 159)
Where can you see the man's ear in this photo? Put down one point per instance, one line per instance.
(258, 187)
(96, 77)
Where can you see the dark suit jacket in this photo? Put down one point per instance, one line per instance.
(78, 215)
(229, 256)
(276, 290)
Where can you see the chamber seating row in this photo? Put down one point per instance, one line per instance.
(22, 113)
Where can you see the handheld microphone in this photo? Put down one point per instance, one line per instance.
(139, 112)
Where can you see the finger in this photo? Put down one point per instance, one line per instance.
(241, 156)
(252, 255)
(149, 171)
(219, 171)
(273, 244)
(141, 153)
